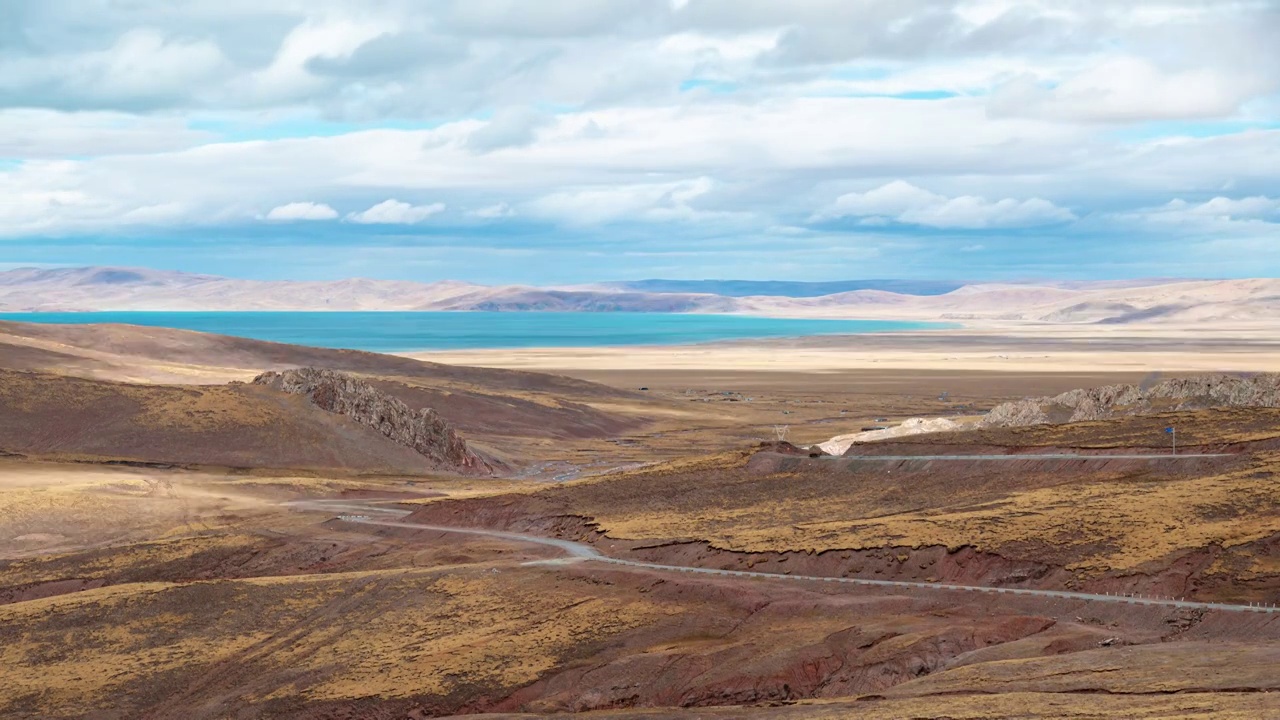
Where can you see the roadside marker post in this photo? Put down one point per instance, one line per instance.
(1174, 432)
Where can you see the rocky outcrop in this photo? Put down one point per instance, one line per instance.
(1195, 393)
(422, 430)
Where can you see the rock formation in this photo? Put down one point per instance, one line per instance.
(422, 430)
(1195, 393)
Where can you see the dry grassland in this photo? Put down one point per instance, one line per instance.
(384, 634)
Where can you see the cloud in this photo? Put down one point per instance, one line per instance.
(394, 212)
(453, 58)
(492, 212)
(651, 202)
(143, 69)
(33, 133)
(902, 202)
(725, 120)
(387, 55)
(302, 211)
(1218, 213)
(1258, 207)
(510, 127)
(1128, 89)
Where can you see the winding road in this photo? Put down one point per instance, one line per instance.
(581, 552)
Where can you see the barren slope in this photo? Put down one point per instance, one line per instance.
(1195, 527)
(242, 426)
(337, 622)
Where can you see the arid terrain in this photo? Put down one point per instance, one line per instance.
(1159, 302)
(178, 540)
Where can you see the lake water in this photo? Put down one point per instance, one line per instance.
(403, 331)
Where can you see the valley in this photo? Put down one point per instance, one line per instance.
(319, 545)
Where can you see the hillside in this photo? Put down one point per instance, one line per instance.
(422, 430)
(236, 426)
(254, 590)
(1200, 392)
(92, 289)
(136, 353)
(1201, 527)
(782, 288)
(1102, 303)
(61, 380)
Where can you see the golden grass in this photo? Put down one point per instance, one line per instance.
(490, 630)
(201, 408)
(1106, 521)
(390, 633)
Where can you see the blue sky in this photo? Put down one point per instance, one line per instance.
(575, 140)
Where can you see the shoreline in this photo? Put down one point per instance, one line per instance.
(984, 345)
(1054, 348)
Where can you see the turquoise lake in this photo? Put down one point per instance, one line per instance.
(404, 331)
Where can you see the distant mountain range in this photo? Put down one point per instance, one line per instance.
(785, 288)
(1105, 302)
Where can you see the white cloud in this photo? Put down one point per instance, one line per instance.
(394, 212)
(510, 127)
(32, 133)
(491, 212)
(143, 68)
(302, 211)
(724, 118)
(454, 58)
(1219, 213)
(1257, 207)
(654, 202)
(1125, 89)
(900, 201)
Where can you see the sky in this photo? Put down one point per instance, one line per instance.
(567, 141)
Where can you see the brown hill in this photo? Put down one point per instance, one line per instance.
(240, 426)
(137, 353)
(514, 418)
(1186, 527)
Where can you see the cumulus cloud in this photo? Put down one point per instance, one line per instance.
(723, 118)
(457, 57)
(652, 202)
(510, 127)
(1216, 212)
(302, 211)
(902, 202)
(1257, 207)
(394, 212)
(492, 212)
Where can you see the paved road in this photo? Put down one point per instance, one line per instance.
(579, 552)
